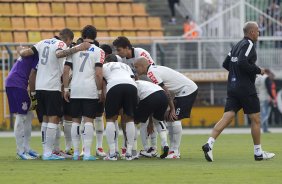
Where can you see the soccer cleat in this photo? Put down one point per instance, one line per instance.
(82, 153)
(62, 154)
(75, 157)
(135, 157)
(24, 156)
(264, 156)
(165, 152)
(208, 152)
(128, 157)
(172, 155)
(89, 158)
(123, 152)
(111, 158)
(70, 152)
(53, 157)
(33, 154)
(151, 152)
(100, 152)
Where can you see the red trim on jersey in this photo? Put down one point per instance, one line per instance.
(102, 56)
(152, 77)
(147, 57)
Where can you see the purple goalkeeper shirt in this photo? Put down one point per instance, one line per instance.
(19, 74)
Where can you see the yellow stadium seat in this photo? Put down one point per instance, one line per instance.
(72, 23)
(77, 35)
(156, 34)
(18, 23)
(44, 9)
(111, 9)
(5, 9)
(115, 33)
(83, 21)
(30, 9)
(125, 9)
(98, 8)
(130, 34)
(17, 9)
(20, 37)
(143, 34)
(45, 23)
(127, 23)
(71, 9)
(58, 23)
(5, 23)
(100, 23)
(113, 23)
(58, 8)
(34, 36)
(140, 23)
(6, 36)
(102, 34)
(46, 35)
(155, 23)
(139, 9)
(31, 23)
(84, 9)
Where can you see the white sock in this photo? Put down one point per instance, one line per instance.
(88, 138)
(153, 138)
(50, 138)
(81, 133)
(27, 130)
(99, 127)
(130, 133)
(110, 133)
(134, 148)
(67, 133)
(161, 129)
(75, 137)
(257, 149)
(116, 136)
(170, 133)
(144, 135)
(57, 139)
(211, 141)
(43, 135)
(19, 132)
(177, 134)
(124, 140)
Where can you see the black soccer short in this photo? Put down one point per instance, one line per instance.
(121, 96)
(66, 108)
(156, 104)
(100, 108)
(183, 105)
(83, 107)
(50, 103)
(250, 104)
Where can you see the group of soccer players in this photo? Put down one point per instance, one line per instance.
(76, 83)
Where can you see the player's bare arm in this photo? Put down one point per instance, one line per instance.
(171, 116)
(24, 52)
(99, 80)
(66, 80)
(70, 51)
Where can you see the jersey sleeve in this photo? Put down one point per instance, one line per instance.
(60, 45)
(154, 77)
(68, 61)
(226, 62)
(36, 48)
(35, 61)
(146, 54)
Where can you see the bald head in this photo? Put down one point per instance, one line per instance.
(141, 64)
(251, 30)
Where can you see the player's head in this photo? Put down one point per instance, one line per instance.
(107, 49)
(66, 35)
(79, 41)
(251, 30)
(89, 32)
(123, 46)
(111, 58)
(141, 64)
(96, 43)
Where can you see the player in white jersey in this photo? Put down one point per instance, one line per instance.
(48, 83)
(86, 90)
(185, 92)
(128, 54)
(153, 102)
(121, 93)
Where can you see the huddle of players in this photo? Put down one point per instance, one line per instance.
(93, 80)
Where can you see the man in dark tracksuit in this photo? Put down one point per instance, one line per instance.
(241, 91)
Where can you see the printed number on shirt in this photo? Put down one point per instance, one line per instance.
(86, 56)
(45, 55)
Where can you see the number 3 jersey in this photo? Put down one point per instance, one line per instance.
(50, 68)
(83, 63)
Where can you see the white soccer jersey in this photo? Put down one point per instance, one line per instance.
(176, 82)
(137, 53)
(83, 84)
(50, 68)
(117, 73)
(145, 88)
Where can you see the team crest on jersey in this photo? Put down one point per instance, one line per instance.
(91, 49)
(24, 106)
(152, 77)
(61, 45)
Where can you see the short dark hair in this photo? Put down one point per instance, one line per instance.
(96, 43)
(123, 42)
(89, 32)
(107, 49)
(111, 58)
(66, 33)
(79, 41)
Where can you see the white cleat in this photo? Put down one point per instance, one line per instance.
(264, 156)
(100, 152)
(208, 152)
(173, 155)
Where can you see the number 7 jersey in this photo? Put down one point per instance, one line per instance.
(50, 68)
(83, 83)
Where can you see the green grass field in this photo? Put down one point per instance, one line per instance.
(233, 154)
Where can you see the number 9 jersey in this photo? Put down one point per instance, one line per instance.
(50, 68)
